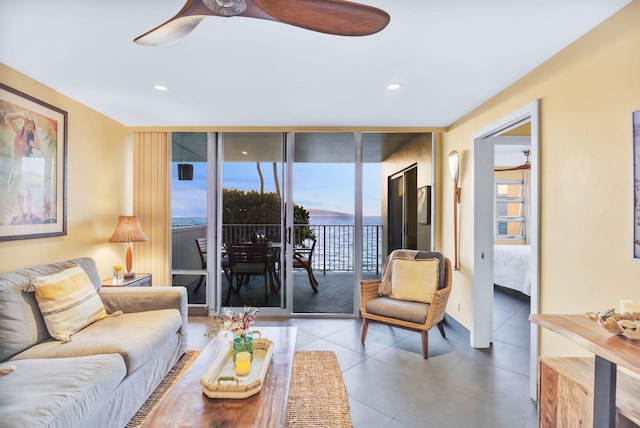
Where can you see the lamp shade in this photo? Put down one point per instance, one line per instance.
(128, 230)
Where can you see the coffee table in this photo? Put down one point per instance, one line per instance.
(186, 406)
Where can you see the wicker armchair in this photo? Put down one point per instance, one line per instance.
(409, 315)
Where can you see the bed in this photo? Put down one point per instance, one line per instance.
(512, 267)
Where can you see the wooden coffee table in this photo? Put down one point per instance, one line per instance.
(186, 406)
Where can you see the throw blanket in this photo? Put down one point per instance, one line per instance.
(384, 289)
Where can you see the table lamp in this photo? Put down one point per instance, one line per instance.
(129, 230)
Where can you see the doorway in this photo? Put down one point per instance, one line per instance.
(484, 221)
(403, 209)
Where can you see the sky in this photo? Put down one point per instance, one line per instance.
(316, 185)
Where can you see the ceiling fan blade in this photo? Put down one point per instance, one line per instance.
(187, 19)
(336, 17)
(514, 168)
(177, 27)
(169, 32)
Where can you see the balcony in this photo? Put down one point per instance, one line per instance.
(332, 262)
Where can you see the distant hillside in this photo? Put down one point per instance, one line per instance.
(317, 212)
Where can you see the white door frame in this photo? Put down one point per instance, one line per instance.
(483, 199)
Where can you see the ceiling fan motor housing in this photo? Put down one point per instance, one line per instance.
(226, 7)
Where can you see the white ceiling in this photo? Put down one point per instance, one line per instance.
(449, 56)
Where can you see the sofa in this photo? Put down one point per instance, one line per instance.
(100, 375)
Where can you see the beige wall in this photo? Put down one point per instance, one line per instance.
(98, 185)
(588, 92)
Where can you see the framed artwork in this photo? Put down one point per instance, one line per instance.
(636, 184)
(424, 205)
(33, 154)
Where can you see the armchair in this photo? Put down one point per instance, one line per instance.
(379, 304)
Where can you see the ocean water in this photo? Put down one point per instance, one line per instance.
(319, 219)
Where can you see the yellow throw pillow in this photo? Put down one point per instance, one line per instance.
(68, 302)
(414, 280)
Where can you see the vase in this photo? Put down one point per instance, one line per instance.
(243, 344)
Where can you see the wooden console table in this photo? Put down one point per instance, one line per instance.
(609, 350)
(186, 406)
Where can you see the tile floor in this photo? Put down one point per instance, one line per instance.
(390, 385)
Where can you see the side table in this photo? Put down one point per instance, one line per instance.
(138, 280)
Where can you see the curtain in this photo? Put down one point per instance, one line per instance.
(152, 203)
(526, 192)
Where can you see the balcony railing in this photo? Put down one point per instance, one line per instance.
(334, 251)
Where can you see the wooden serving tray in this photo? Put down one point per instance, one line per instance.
(220, 380)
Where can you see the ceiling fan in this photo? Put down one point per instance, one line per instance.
(525, 165)
(336, 17)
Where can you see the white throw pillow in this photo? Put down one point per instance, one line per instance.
(68, 302)
(415, 279)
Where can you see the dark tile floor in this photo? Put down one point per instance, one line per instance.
(390, 385)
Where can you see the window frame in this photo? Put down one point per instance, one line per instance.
(506, 218)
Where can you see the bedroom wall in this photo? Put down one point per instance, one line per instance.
(588, 92)
(99, 171)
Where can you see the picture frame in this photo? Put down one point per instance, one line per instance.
(33, 164)
(635, 120)
(424, 205)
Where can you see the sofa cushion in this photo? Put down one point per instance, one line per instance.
(21, 323)
(58, 392)
(415, 279)
(68, 302)
(135, 336)
(414, 312)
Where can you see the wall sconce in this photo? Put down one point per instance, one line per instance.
(454, 168)
(129, 230)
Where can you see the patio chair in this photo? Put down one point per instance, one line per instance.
(412, 293)
(247, 260)
(202, 250)
(302, 258)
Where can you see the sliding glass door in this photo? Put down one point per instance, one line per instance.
(324, 250)
(290, 222)
(189, 214)
(251, 230)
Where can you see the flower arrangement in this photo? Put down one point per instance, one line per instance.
(236, 323)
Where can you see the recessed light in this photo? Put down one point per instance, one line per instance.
(393, 86)
(244, 152)
(160, 87)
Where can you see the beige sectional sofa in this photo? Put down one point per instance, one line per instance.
(109, 368)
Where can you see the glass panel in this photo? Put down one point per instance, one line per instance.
(509, 228)
(252, 218)
(323, 187)
(509, 209)
(509, 190)
(514, 228)
(189, 211)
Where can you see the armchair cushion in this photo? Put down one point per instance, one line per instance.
(414, 279)
(384, 288)
(414, 312)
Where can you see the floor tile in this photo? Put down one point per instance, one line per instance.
(390, 385)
